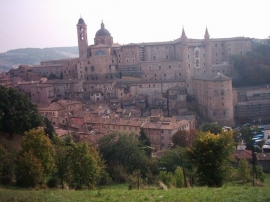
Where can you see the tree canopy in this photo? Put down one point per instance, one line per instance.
(17, 113)
(184, 138)
(211, 155)
(212, 127)
(36, 159)
(253, 67)
(122, 151)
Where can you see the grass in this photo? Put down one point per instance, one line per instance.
(121, 193)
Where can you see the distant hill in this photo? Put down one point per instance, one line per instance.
(33, 56)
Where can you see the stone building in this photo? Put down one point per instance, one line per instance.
(110, 70)
(213, 92)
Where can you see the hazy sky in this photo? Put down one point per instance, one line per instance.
(52, 23)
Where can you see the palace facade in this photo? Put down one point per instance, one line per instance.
(200, 68)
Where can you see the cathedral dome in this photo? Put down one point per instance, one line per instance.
(81, 21)
(103, 31)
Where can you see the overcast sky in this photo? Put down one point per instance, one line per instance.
(52, 23)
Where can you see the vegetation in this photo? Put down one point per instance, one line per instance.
(183, 138)
(35, 161)
(212, 127)
(123, 155)
(121, 193)
(211, 154)
(253, 67)
(17, 113)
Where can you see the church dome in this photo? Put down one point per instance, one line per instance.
(81, 21)
(103, 31)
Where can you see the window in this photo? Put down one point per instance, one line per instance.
(154, 57)
(196, 54)
(85, 68)
(167, 57)
(197, 63)
(169, 66)
(159, 66)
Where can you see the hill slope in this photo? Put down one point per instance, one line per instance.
(33, 56)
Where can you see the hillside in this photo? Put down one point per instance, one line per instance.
(33, 56)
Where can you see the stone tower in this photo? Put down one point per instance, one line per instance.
(82, 39)
(208, 51)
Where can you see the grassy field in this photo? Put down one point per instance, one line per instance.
(119, 193)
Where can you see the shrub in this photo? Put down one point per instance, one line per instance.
(260, 173)
(167, 178)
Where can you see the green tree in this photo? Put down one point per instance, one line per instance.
(212, 127)
(29, 169)
(48, 129)
(237, 138)
(17, 113)
(85, 166)
(244, 171)
(260, 173)
(36, 141)
(179, 177)
(246, 134)
(123, 151)
(4, 155)
(7, 159)
(145, 142)
(177, 157)
(211, 154)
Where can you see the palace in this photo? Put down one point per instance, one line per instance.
(160, 74)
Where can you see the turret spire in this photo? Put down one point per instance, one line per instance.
(206, 35)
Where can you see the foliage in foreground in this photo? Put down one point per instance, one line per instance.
(17, 113)
(211, 155)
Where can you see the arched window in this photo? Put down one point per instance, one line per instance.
(197, 63)
(196, 54)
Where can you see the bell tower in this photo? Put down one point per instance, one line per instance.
(82, 38)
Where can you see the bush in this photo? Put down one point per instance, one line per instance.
(179, 177)
(167, 178)
(52, 182)
(104, 178)
(260, 173)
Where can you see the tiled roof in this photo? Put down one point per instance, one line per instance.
(52, 107)
(263, 156)
(243, 154)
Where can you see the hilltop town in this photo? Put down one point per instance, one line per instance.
(161, 87)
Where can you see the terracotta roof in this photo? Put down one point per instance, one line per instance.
(52, 107)
(243, 154)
